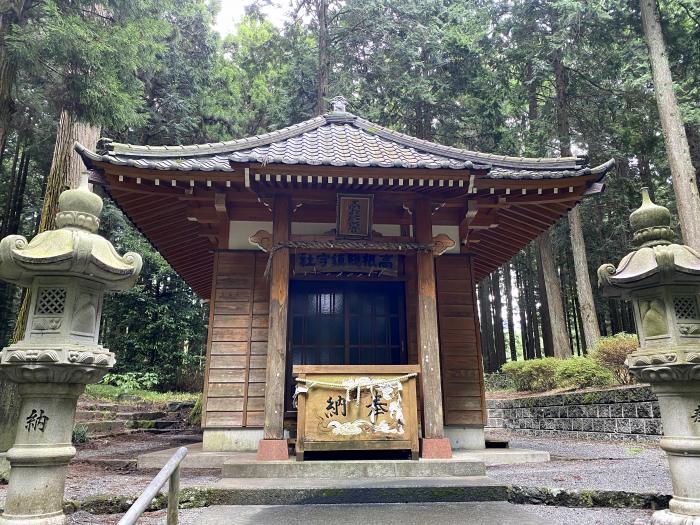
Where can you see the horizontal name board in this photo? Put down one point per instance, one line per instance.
(347, 264)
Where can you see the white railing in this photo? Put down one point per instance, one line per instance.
(170, 472)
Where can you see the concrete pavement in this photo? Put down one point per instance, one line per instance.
(386, 514)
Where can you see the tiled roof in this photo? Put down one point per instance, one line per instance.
(334, 139)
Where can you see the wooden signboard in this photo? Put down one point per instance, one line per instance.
(347, 264)
(332, 418)
(354, 216)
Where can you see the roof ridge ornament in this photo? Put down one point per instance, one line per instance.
(339, 103)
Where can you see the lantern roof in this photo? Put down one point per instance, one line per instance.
(657, 260)
(74, 249)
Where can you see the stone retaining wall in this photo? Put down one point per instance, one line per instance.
(630, 413)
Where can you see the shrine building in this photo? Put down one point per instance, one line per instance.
(339, 259)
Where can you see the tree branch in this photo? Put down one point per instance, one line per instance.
(594, 84)
(687, 11)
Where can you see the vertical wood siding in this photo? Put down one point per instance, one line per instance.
(460, 354)
(234, 391)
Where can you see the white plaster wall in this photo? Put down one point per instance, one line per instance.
(391, 230)
(239, 231)
(311, 228)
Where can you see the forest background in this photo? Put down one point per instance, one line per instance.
(514, 77)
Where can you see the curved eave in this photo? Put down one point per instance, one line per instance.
(230, 147)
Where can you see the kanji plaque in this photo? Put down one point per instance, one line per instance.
(354, 216)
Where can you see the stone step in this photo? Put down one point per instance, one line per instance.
(474, 513)
(104, 428)
(148, 424)
(91, 415)
(146, 415)
(424, 468)
(82, 405)
(255, 491)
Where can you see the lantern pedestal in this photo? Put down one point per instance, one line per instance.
(41, 454)
(680, 414)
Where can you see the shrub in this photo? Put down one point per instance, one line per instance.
(611, 352)
(132, 380)
(536, 375)
(80, 434)
(498, 381)
(582, 372)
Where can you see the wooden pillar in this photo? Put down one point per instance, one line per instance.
(273, 446)
(434, 444)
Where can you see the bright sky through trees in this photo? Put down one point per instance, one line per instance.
(232, 11)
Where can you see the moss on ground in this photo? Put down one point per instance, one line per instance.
(114, 393)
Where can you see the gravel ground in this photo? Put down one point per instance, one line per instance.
(580, 464)
(85, 479)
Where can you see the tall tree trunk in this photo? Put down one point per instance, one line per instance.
(556, 311)
(567, 311)
(8, 73)
(682, 171)
(66, 167)
(509, 311)
(578, 244)
(693, 134)
(532, 304)
(645, 175)
(591, 330)
(522, 310)
(547, 343)
(323, 56)
(499, 339)
(486, 325)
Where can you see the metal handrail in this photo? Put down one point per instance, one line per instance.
(170, 472)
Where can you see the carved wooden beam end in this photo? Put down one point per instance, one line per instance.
(442, 243)
(262, 239)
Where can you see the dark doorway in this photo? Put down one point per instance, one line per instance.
(346, 323)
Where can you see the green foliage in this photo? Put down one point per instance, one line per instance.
(539, 375)
(581, 372)
(132, 380)
(80, 434)
(195, 417)
(498, 381)
(91, 55)
(536, 375)
(611, 353)
(102, 392)
(160, 324)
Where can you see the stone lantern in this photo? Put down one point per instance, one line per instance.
(67, 270)
(662, 279)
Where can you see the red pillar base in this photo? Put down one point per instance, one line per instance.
(434, 448)
(272, 450)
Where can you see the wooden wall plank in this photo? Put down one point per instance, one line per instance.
(235, 374)
(460, 355)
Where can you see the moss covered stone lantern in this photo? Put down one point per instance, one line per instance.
(68, 270)
(662, 279)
